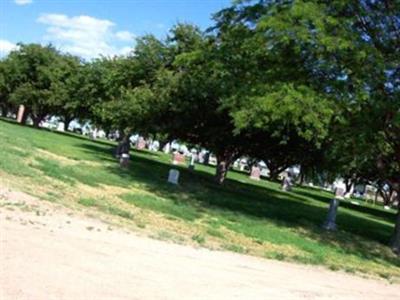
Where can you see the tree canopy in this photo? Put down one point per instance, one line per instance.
(314, 83)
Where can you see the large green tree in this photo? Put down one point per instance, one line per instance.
(275, 103)
(192, 92)
(6, 106)
(32, 74)
(350, 50)
(71, 90)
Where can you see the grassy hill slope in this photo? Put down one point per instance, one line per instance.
(245, 216)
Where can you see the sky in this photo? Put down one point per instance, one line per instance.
(89, 28)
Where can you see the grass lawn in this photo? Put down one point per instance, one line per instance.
(244, 216)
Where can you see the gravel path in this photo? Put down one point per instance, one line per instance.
(46, 253)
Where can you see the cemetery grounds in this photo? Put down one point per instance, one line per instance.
(244, 216)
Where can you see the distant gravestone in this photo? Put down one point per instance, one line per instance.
(330, 223)
(287, 183)
(255, 173)
(192, 160)
(173, 176)
(21, 112)
(340, 191)
(141, 144)
(178, 158)
(124, 160)
(167, 148)
(201, 157)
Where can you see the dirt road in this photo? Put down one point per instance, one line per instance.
(47, 253)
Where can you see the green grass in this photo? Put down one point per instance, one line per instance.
(175, 208)
(199, 239)
(88, 202)
(246, 216)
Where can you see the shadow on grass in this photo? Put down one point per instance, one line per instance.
(290, 209)
(103, 152)
(298, 209)
(376, 213)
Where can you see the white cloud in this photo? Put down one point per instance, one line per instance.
(125, 36)
(6, 47)
(84, 35)
(125, 50)
(23, 2)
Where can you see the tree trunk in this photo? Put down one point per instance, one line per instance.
(273, 174)
(395, 241)
(224, 161)
(275, 170)
(123, 146)
(36, 121)
(67, 121)
(4, 111)
(302, 178)
(349, 183)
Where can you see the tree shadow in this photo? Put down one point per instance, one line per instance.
(289, 209)
(103, 152)
(386, 216)
(258, 201)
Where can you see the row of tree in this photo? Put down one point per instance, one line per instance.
(314, 83)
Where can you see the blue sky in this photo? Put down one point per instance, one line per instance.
(91, 27)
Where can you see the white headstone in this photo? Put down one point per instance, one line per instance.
(287, 183)
(255, 173)
(340, 189)
(20, 115)
(173, 176)
(124, 160)
(167, 148)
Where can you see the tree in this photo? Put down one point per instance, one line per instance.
(287, 124)
(5, 88)
(71, 98)
(351, 52)
(191, 94)
(32, 73)
(276, 104)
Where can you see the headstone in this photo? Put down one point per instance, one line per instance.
(60, 126)
(178, 158)
(173, 176)
(264, 172)
(20, 115)
(340, 190)
(192, 160)
(93, 134)
(141, 144)
(212, 160)
(330, 223)
(201, 157)
(167, 148)
(255, 173)
(287, 183)
(155, 146)
(124, 160)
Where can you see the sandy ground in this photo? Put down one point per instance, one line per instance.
(48, 252)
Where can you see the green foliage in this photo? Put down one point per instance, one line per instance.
(199, 239)
(87, 202)
(176, 208)
(32, 71)
(286, 108)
